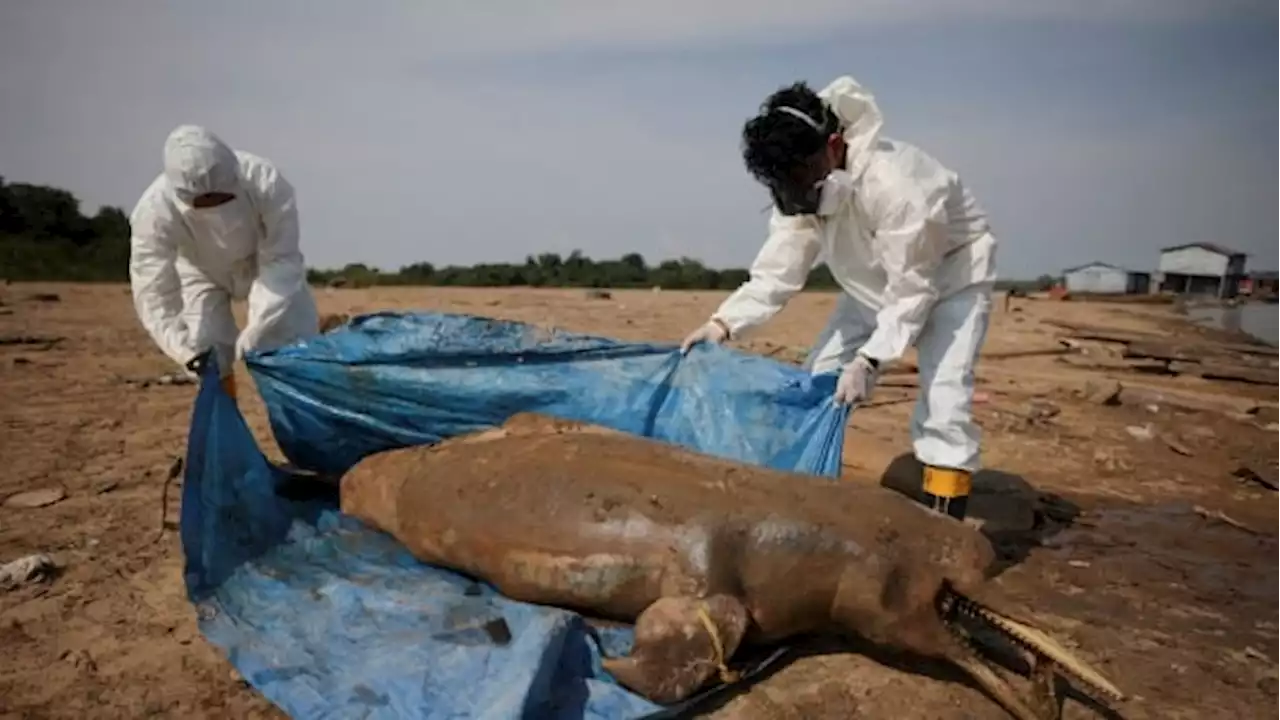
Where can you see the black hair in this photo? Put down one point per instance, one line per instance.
(775, 143)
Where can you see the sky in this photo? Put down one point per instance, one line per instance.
(455, 132)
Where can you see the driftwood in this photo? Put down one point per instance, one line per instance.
(1102, 362)
(1122, 336)
(1126, 337)
(1103, 334)
(1062, 348)
(46, 342)
(1188, 401)
(1217, 371)
(1146, 352)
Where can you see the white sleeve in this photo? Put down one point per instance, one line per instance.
(153, 276)
(779, 272)
(910, 241)
(282, 272)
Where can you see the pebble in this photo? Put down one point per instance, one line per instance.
(26, 569)
(1140, 432)
(36, 498)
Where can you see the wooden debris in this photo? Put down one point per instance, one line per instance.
(45, 342)
(1188, 401)
(1126, 337)
(1102, 362)
(1215, 371)
(174, 471)
(1224, 518)
(1247, 474)
(1102, 334)
(1063, 347)
(1146, 352)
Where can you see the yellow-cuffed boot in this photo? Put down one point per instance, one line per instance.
(947, 490)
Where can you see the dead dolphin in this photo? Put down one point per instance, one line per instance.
(701, 553)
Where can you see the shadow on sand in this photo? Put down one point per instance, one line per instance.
(1013, 514)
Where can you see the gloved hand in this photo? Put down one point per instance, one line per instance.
(856, 382)
(712, 331)
(195, 364)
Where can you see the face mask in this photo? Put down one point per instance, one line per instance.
(222, 220)
(834, 191)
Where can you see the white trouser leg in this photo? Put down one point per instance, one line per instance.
(942, 429)
(847, 329)
(206, 310)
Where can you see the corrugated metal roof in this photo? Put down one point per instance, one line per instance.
(1211, 247)
(1096, 264)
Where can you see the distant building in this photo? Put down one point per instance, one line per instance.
(1201, 269)
(1260, 283)
(1099, 278)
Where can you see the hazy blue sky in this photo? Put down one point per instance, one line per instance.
(456, 132)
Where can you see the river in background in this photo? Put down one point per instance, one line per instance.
(1257, 319)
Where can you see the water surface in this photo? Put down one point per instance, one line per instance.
(1256, 319)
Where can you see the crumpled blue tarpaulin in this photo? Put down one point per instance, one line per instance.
(330, 619)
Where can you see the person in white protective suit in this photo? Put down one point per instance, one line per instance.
(218, 224)
(908, 245)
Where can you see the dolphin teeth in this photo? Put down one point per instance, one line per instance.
(1044, 646)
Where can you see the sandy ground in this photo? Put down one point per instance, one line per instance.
(1154, 562)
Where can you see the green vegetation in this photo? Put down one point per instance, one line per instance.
(44, 236)
(552, 270)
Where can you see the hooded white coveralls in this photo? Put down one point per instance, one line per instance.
(912, 251)
(186, 264)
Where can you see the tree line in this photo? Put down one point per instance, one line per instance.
(45, 237)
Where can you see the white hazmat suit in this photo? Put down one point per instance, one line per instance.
(913, 253)
(188, 263)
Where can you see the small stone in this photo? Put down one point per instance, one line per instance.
(79, 659)
(1041, 410)
(1176, 446)
(1140, 432)
(36, 498)
(1251, 652)
(1106, 392)
(1267, 685)
(27, 569)
(1078, 563)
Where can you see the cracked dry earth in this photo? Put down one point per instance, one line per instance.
(1155, 561)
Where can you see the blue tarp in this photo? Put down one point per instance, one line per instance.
(330, 619)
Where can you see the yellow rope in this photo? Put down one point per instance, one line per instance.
(727, 676)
